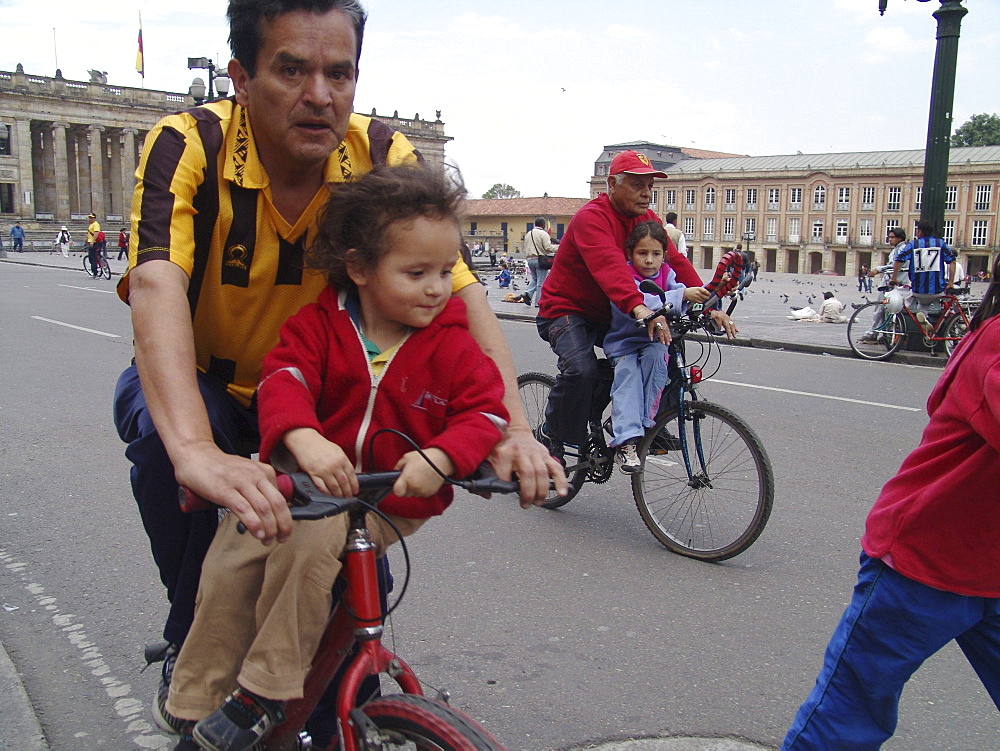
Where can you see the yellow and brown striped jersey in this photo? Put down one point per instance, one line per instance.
(203, 202)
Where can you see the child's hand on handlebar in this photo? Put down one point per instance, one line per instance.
(325, 462)
(418, 478)
(696, 294)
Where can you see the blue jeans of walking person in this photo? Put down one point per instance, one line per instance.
(635, 392)
(891, 626)
(534, 291)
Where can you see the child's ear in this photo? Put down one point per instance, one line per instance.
(356, 270)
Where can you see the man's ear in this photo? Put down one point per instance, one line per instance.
(239, 76)
(356, 269)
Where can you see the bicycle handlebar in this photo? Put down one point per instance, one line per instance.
(306, 501)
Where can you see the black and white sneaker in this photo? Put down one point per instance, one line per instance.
(627, 459)
(163, 719)
(240, 723)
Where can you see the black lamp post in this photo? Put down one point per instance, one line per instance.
(949, 17)
(218, 81)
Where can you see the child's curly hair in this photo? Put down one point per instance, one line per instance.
(354, 224)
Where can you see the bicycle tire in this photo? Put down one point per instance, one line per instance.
(723, 514)
(869, 344)
(105, 268)
(408, 721)
(534, 388)
(86, 266)
(957, 328)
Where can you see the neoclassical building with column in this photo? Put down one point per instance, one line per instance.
(68, 148)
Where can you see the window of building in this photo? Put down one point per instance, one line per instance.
(865, 231)
(918, 197)
(795, 199)
(709, 198)
(652, 201)
(951, 198)
(751, 199)
(689, 199)
(6, 198)
(817, 231)
(895, 199)
(984, 196)
(948, 232)
(772, 229)
(843, 199)
(472, 227)
(560, 229)
(689, 225)
(819, 198)
(750, 225)
(794, 229)
(842, 231)
(889, 224)
(601, 169)
(503, 229)
(729, 228)
(773, 199)
(709, 233)
(671, 200)
(5, 138)
(868, 198)
(980, 228)
(730, 199)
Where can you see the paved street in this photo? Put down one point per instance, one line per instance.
(557, 629)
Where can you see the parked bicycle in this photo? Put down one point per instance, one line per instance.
(877, 330)
(103, 267)
(707, 486)
(408, 720)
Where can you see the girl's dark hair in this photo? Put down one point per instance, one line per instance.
(646, 229)
(990, 305)
(355, 223)
(245, 16)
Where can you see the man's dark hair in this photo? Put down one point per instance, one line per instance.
(540, 221)
(926, 228)
(898, 232)
(354, 229)
(245, 16)
(671, 217)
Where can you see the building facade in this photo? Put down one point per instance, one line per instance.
(804, 213)
(68, 148)
(503, 222)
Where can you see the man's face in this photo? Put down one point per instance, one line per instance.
(631, 194)
(301, 99)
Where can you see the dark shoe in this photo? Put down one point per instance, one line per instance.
(186, 742)
(664, 442)
(554, 447)
(526, 300)
(164, 720)
(627, 459)
(240, 723)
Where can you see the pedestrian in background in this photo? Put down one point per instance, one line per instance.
(62, 241)
(17, 237)
(123, 236)
(539, 251)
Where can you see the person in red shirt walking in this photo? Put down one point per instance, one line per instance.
(930, 566)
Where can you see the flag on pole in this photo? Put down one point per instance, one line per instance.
(140, 64)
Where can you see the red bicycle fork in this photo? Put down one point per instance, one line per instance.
(357, 620)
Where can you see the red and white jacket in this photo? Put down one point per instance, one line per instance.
(438, 388)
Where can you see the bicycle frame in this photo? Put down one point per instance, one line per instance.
(951, 307)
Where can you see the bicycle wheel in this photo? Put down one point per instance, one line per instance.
(105, 268)
(871, 342)
(719, 511)
(534, 388)
(86, 266)
(407, 721)
(957, 328)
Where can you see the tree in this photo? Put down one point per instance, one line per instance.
(980, 130)
(502, 190)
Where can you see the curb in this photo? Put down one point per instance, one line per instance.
(19, 728)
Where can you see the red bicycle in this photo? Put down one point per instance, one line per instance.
(353, 636)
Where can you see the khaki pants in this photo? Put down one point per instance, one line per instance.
(261, 611)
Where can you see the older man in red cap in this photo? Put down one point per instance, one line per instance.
(589, 271)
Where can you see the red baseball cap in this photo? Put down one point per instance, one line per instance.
(634, 163)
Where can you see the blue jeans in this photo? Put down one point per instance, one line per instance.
(179, 541)
(534, 291)
(890, 627)
(572, 338)
(635, 393)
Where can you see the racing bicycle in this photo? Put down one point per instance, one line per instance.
(707, 487)
(103, 267)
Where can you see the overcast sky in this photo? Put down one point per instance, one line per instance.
(531, 91)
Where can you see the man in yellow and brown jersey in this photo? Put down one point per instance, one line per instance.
(227, 199)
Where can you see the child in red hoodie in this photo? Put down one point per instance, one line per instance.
(385, 346)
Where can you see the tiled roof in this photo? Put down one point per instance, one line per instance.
(847, 160)
(530, 207)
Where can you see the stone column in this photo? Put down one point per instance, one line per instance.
(116, 203)
(60, 171)
(41, 169)
(98, 191)
(128, 166)
(21, 140)
(82, 145)
(73, 162)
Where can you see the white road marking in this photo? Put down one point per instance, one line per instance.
(78, 328)
(89, 289)
(819, 396)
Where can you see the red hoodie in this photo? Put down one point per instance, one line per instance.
(438, 388)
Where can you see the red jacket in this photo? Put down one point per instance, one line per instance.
(590, 267)
(938, 520)
(439, 389)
